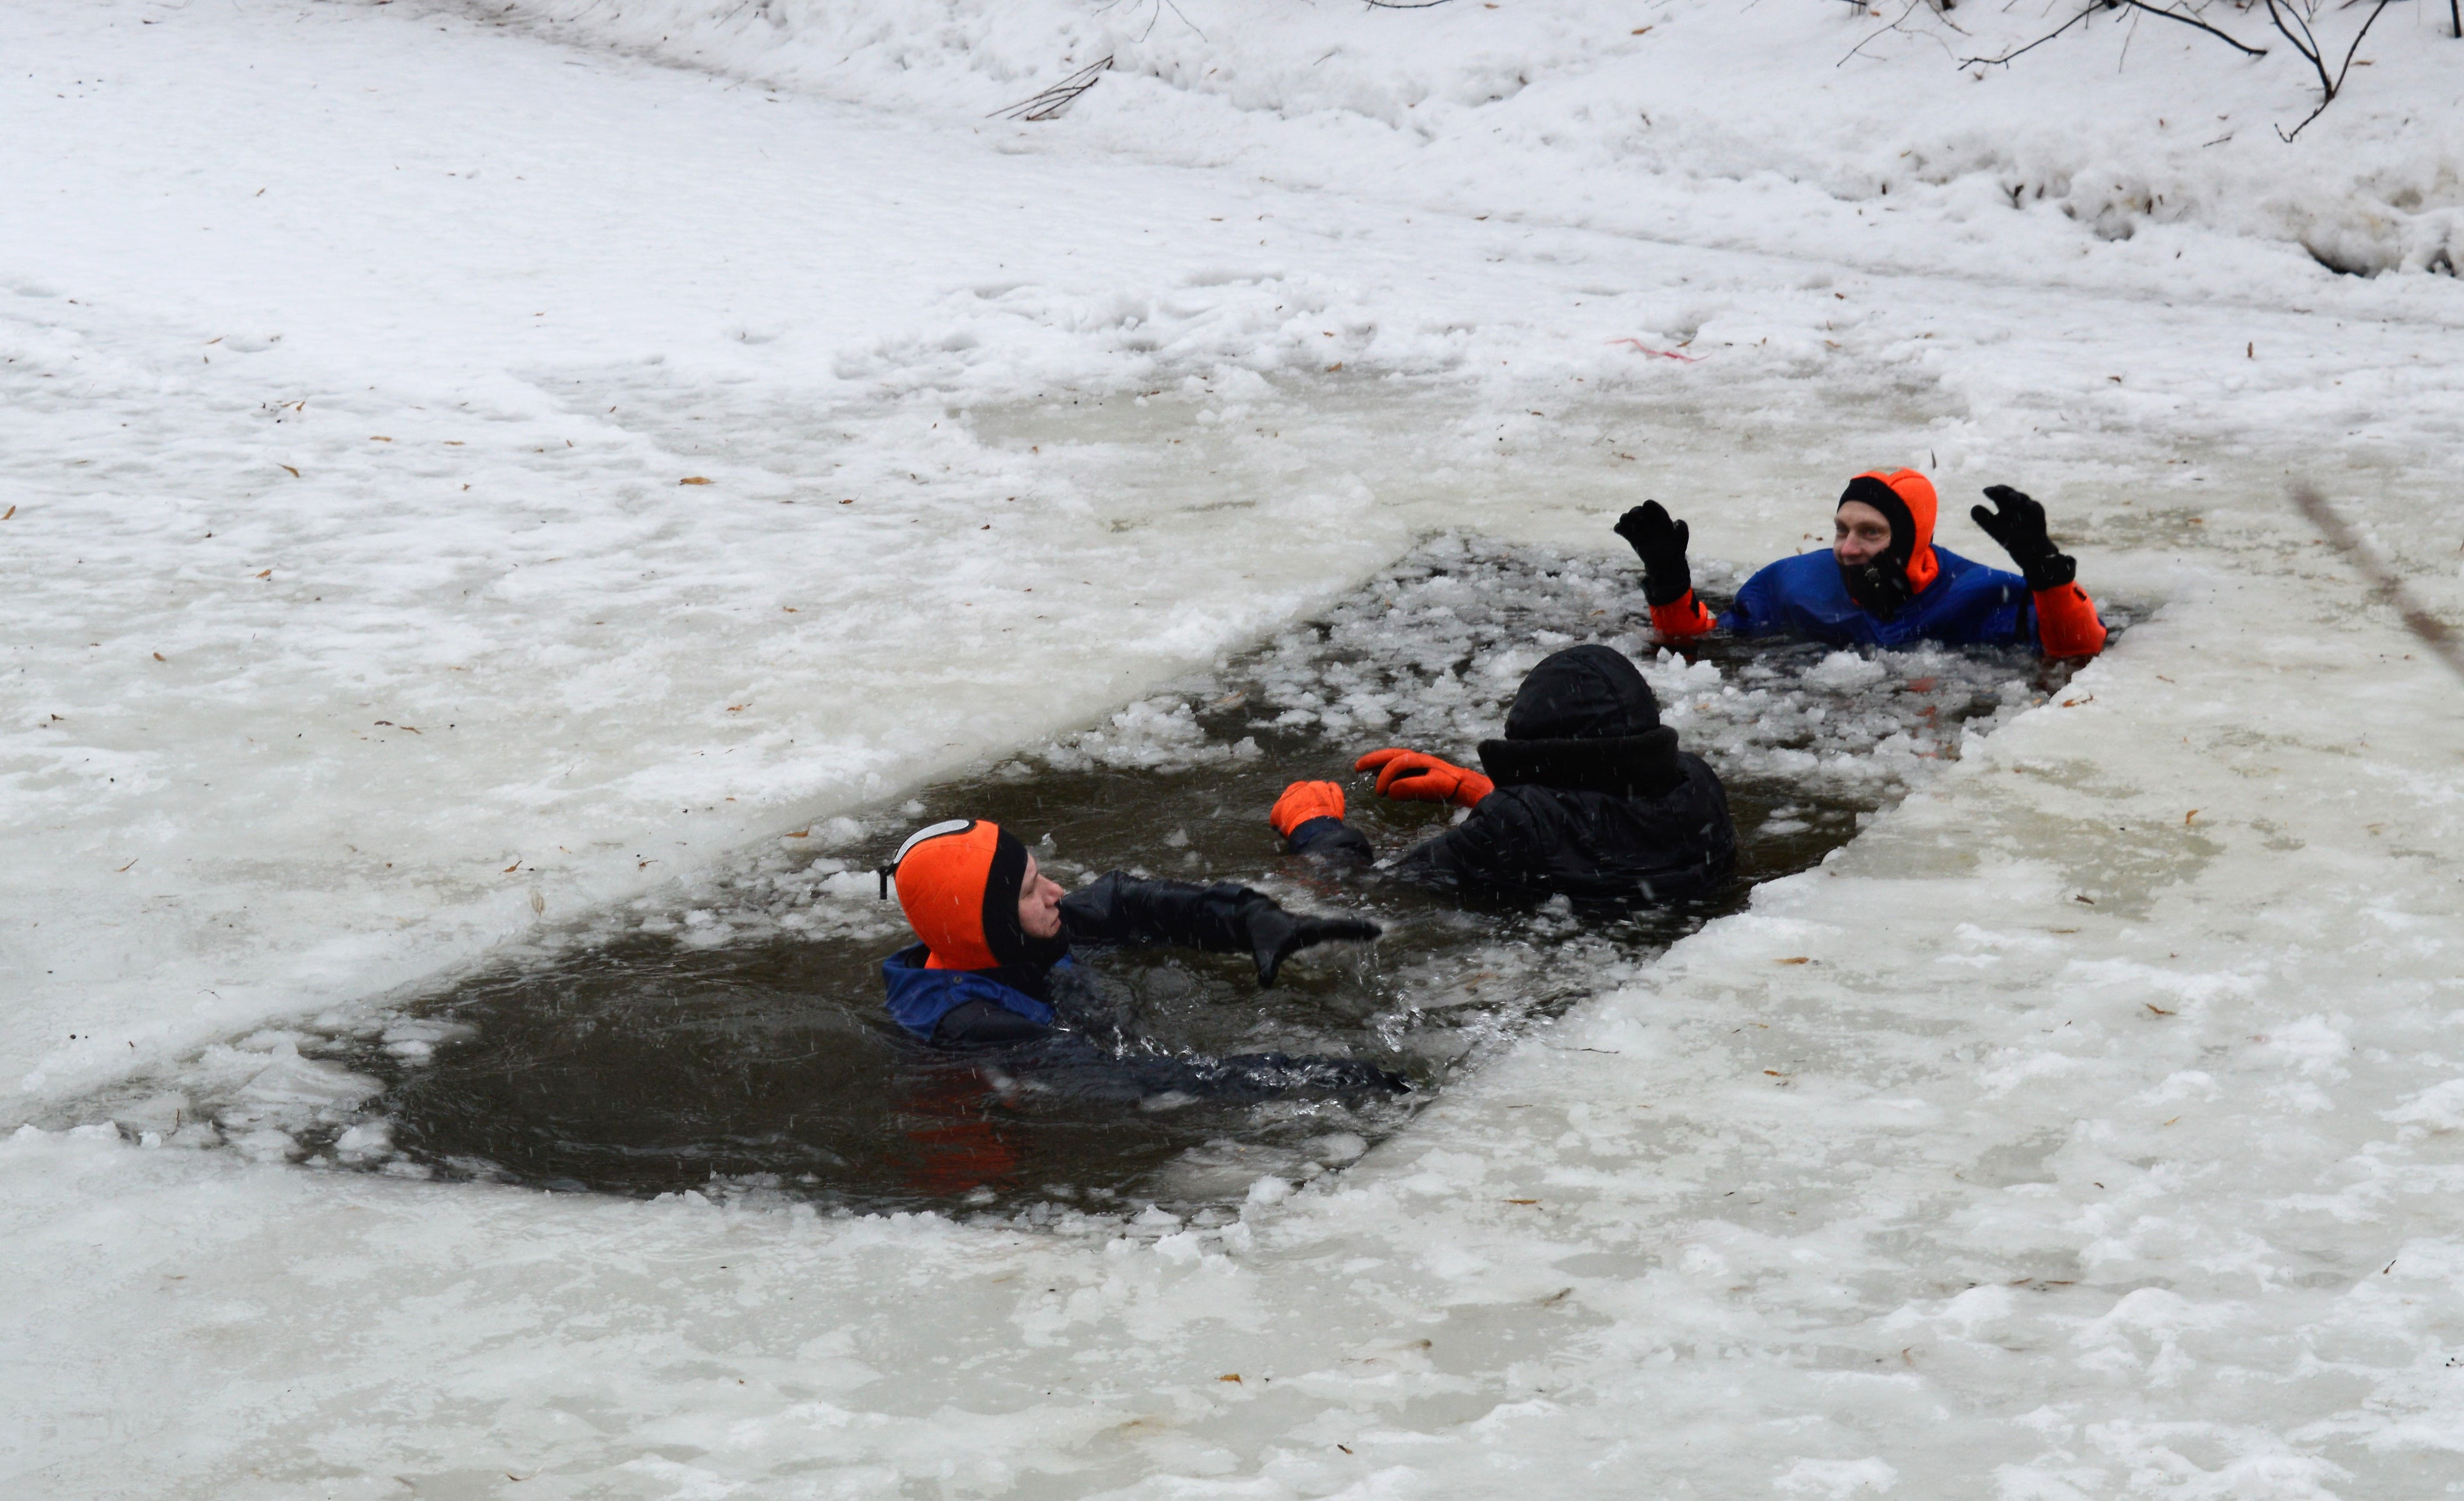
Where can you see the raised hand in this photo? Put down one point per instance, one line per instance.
(2018, 524)
(1416, 777)
(1660, 541)
(1276, 936)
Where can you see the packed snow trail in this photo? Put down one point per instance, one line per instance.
(2102, 1144)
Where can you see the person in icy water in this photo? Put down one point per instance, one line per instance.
(1587, 797)
(1884, 582)
(994, 966)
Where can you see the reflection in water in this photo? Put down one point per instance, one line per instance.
(730, 1039)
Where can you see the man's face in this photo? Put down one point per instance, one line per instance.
(1859, 534)
(1038, 903)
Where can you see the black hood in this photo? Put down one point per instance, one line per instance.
(1584, 721)
(1587, 692)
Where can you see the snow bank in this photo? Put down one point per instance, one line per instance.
(1702, 121)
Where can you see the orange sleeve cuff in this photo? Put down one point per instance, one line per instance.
(1684, 617)
(2066, 622)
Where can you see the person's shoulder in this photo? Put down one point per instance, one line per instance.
(1795, 573)
(1966, 588)
(1699, 774)
(1968, 575)
(1509, 813)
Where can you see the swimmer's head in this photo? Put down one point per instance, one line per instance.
(973, 894)
(1882, 536)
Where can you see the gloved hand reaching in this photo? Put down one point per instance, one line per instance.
(1276, 934)
(1303, 800)
(1660, 541)
(1419, 777)
(2018, 524)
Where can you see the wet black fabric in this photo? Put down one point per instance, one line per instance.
(1646, 766)
(981, 1024)
(1590, 846)
(1586, 693)
(1119, 908)
(1594, 799)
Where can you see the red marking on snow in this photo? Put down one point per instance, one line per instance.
(1640, 347)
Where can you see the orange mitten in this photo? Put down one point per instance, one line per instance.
(1303, 800)
(1684, 618)
(2066, 622)
(1420, 778)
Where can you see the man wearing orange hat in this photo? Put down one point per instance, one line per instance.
(994, 966)
(1884, 582)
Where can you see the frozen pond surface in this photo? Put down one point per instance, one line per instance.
(728, 1037)
(2086, 1126)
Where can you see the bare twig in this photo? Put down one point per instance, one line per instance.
(2005, 59)
(1898, 23)
(2093, 5)
(2307, 44)
(1401, 5)
(2244, 47)
(1056, 98)
(2433, 632)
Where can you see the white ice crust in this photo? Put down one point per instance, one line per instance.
(2088, 1127)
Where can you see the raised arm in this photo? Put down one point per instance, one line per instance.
(1667, 581)
(2066, 619)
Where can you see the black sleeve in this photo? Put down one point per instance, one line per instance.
(1480, 851)
(1331, 840)
(1121, 908)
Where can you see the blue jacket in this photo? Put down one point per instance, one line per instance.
(1967, 604)
(919, 997)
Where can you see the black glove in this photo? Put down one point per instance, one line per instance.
(1276, 934)
(1660, 543)
(2018, 524)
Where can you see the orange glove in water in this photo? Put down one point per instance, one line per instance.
(1419, 777)
(1303, 800)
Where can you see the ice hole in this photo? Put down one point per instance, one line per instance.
(726, 1037)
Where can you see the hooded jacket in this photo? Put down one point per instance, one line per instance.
(1594, 799)
(1913, 591)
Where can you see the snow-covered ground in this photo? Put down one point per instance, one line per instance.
(2088, 1127)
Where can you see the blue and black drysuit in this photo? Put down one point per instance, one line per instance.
(1054, 1023)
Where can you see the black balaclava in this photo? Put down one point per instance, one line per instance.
(1880, 583)
(1024, 958)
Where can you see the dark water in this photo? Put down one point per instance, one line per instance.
(733, 1041)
